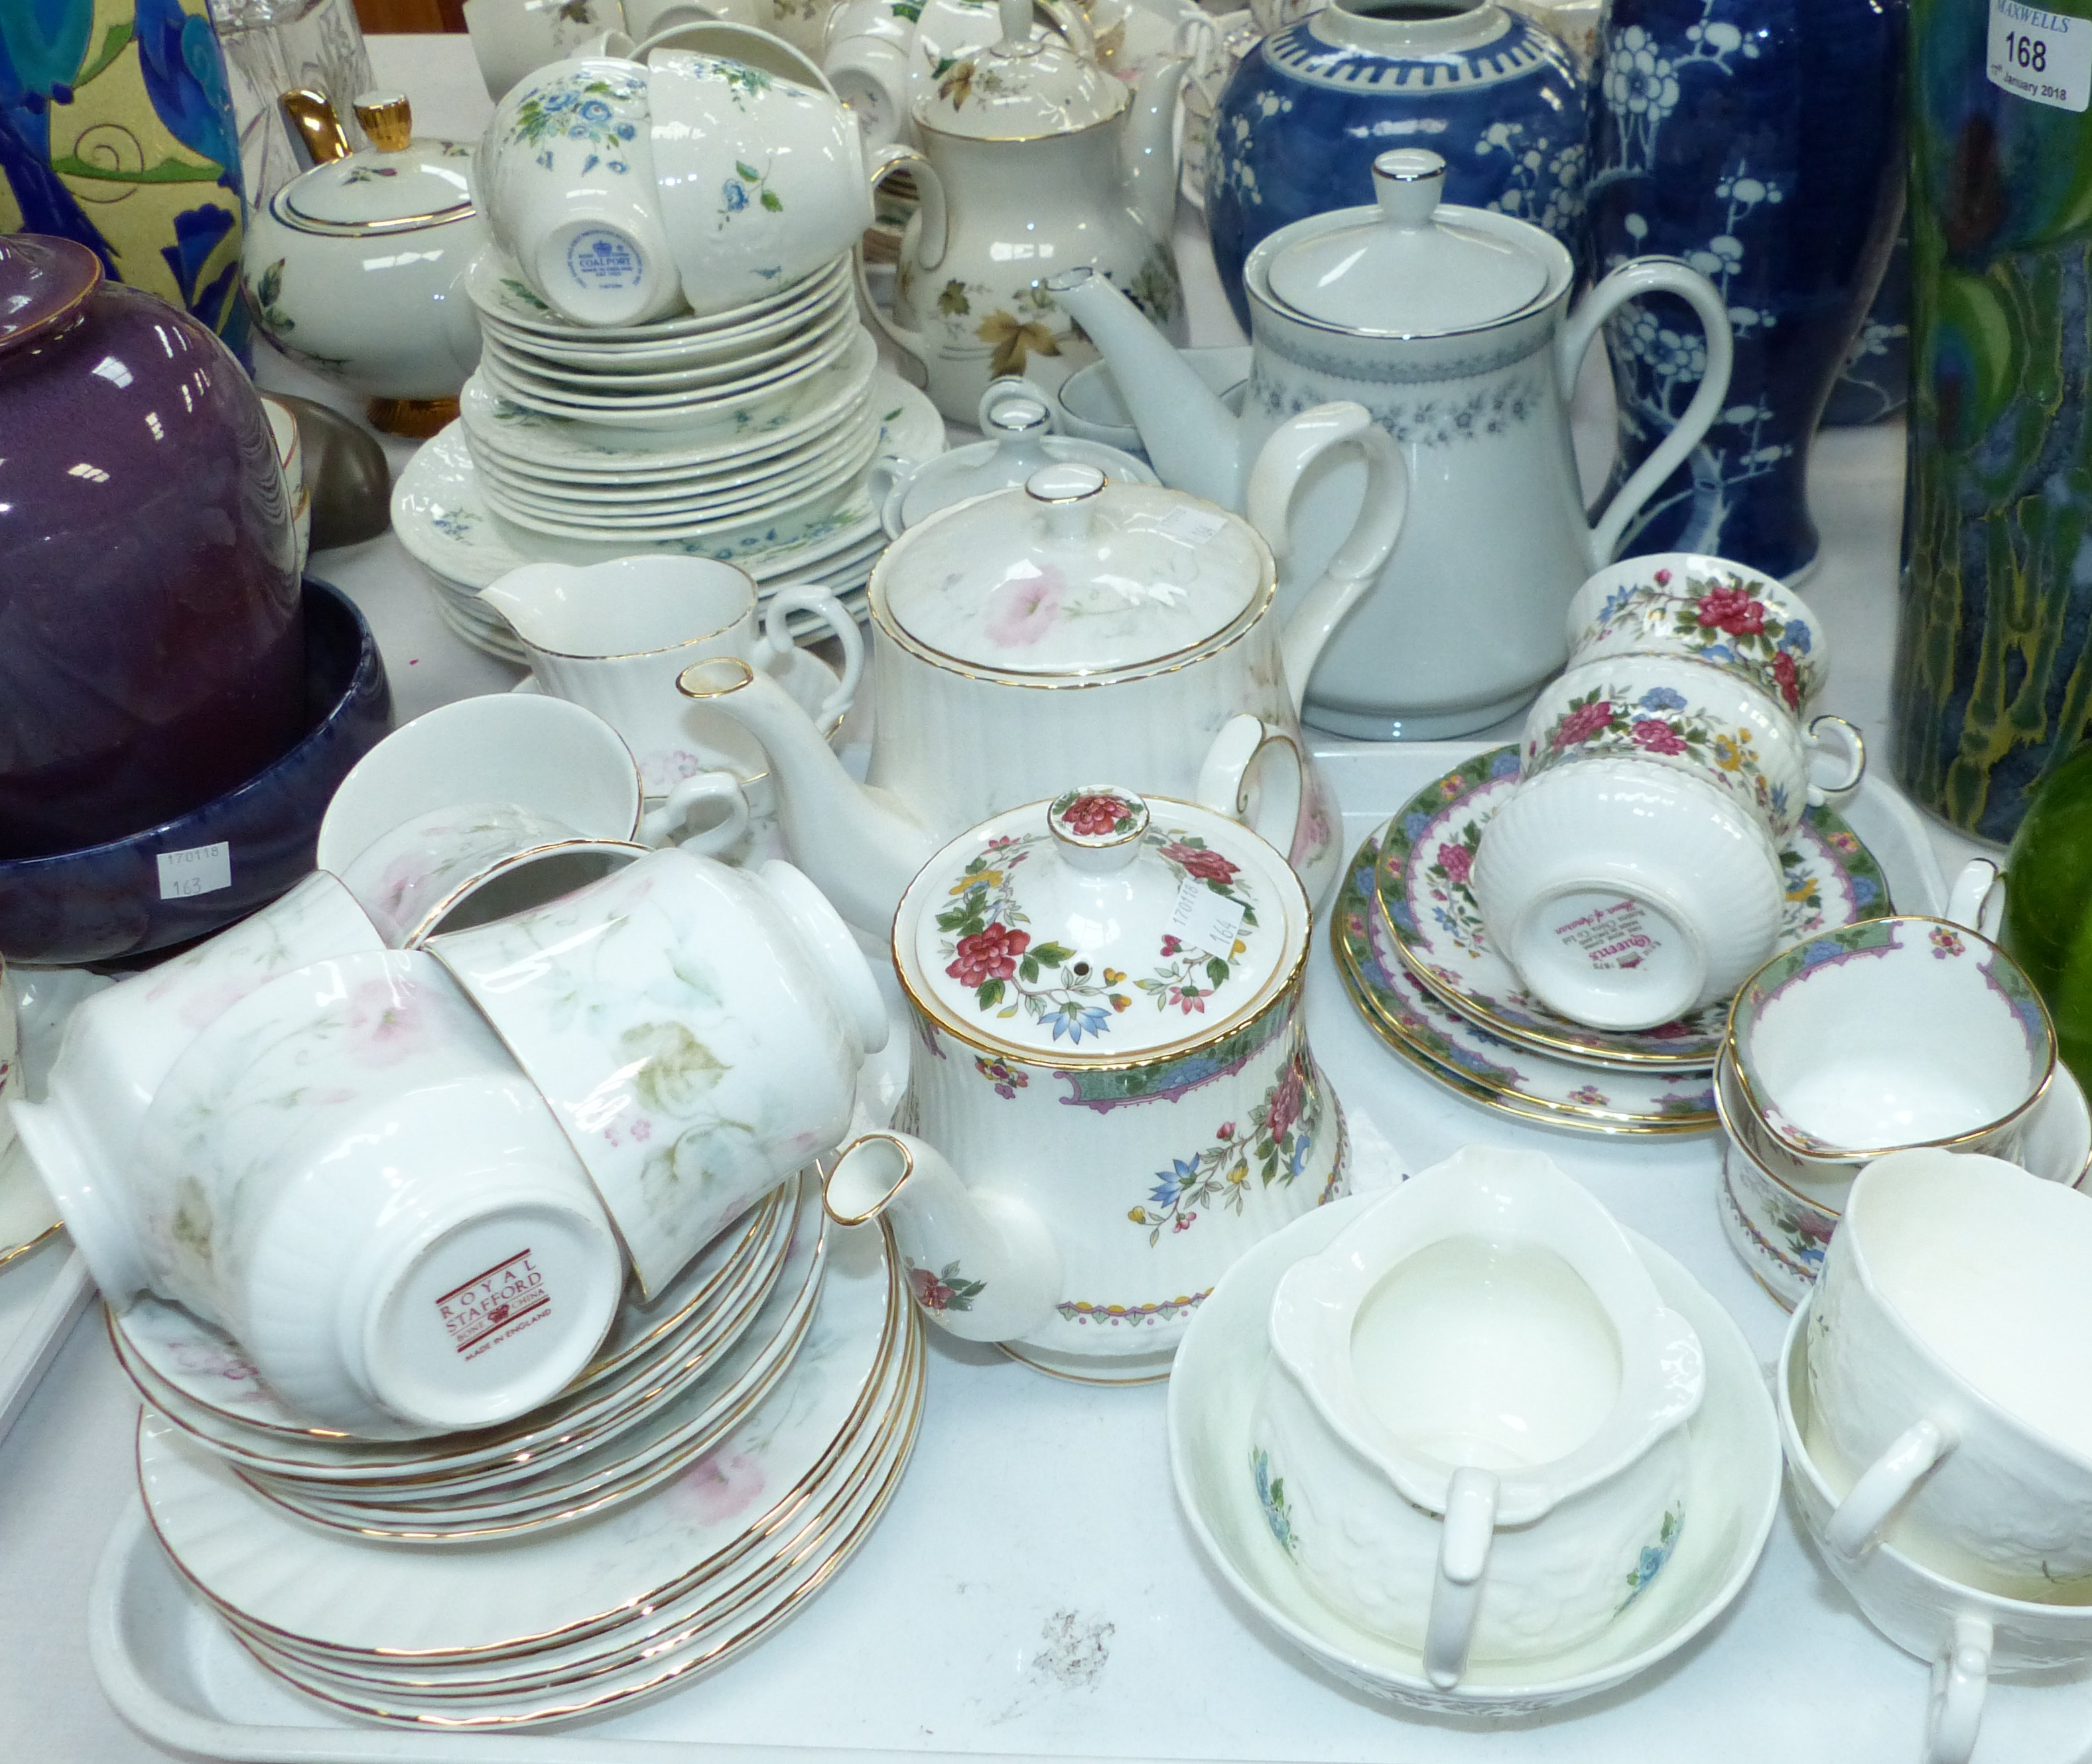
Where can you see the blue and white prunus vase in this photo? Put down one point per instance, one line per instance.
(1761, 141)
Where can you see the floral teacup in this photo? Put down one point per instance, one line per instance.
(1707, 609)
(1677, 712)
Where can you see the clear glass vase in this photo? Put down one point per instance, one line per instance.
(274, 46)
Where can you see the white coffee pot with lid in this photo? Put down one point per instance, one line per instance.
(1453, 326)
(1074, 625)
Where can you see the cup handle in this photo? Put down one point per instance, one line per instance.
(1253, 772)
(1294, 446)
(660, 826)
(778, 646)
(1630, 281)
(1464, 1555)
(1960, 1680)
(1837, 740)
(1856, 1522)
(1977, 897)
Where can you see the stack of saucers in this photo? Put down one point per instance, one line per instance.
(732, 1442)
(749, 435)
(1417, 960)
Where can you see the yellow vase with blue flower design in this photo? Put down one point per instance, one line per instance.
(117, 130)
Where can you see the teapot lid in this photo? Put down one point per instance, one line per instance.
(1073, 573)
(397, 184)
(1020, 87)
(1100, 924)
(44, 282)
(1410, 268)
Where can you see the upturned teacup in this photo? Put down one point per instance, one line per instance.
(120, 1043)
(1474, 1420)
(1625, 893)
(1950, 1374)
(697, 1028)
(1704, 609)
(348, 1174)
(1670, 710)
(1883, 1035)
(1968, 1635)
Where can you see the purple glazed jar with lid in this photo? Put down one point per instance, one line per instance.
(151, 649)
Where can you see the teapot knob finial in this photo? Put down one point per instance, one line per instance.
(1097, 827)
(1409, 182)
(386, 119)
(1016, 38)
(1066, 489)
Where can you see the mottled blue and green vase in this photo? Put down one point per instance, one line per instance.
(117, 130)
(1993, 677)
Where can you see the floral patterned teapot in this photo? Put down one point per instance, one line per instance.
(1113, 1068)
(1453, 326)
(1033, 156)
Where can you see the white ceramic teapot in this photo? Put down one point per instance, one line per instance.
(1104, 987)
(1074, 625)
(357, 267)
(1452, 325)
(1033, 158)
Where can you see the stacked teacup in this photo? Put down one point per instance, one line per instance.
(1876, 1038)
(494, 1239)
(672, 358)
(1933, 1404)
(1634, 875)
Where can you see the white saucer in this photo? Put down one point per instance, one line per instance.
(1733, 1493)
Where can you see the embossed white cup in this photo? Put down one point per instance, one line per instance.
(1968, 1636)
(1950, 1374)
(1477, 1406)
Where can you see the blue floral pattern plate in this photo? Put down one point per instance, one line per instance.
(1422, 883)
(1472, 1062)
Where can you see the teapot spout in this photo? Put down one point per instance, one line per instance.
(981, 1264)
(859, 845)
(1147, 156)
(1191, 435)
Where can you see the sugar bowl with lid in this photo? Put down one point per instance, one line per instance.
(1076, 627)
(357, 267)
(1111, 1079)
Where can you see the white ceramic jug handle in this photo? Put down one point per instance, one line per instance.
(1294, 446)
(1463, 1556)
(1630, 282)
(1253, 772)
(1856, 1522)
(659, 826)
(1960, 1679)
(1977, 897)
(930, 240)
(1837, 739)
(778, 644)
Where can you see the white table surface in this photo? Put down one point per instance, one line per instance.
(65, 1468)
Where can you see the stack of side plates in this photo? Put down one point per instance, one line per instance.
(1415, 957)
(578, 1617)
(748, 436)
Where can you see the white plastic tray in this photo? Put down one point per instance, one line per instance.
(41, 1297)
(1033, 1592)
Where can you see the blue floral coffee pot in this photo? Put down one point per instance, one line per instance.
(1452, 327)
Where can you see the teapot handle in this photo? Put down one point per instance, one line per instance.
(1253, 772)
(778, 646)
(1294, 446)
(931, 239)
(1630, 282)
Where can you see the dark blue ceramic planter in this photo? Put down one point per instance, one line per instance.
(106, 902)
(1761, 141)
(1301, 120)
